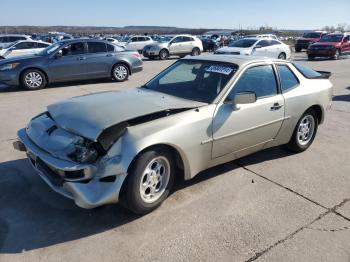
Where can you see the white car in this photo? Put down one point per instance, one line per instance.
(139, 42)
(257, 47)
(7, 39)
(21, 48)
(272, 36)
(112, 40)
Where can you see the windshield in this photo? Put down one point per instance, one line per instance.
(200, 81)
(243, 43)
(312, 35)
(332, 38)
(50, 49)
(164, 39)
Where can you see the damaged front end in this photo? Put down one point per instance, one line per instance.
(71, 165)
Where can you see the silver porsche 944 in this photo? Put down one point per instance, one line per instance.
(200, 112)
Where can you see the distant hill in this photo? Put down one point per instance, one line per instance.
(88, 30)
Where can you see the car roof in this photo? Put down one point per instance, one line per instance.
(240, 60)
(30, 40)
(83, 40)
(14, 35)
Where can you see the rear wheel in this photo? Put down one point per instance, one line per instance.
(120, 72)
(282, 56)
(195, 52)
(33, 79)
(163, 54)
(304, 132)
(151, 179)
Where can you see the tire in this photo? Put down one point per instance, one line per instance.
(337, 54)
(282, 56)
(297, 49)
(301, 138)
(120, 72)
(195, 52)
(163, 54)
(309, 57)
(141, 182)
(33, 79)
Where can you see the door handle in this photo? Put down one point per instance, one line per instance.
(276, 106)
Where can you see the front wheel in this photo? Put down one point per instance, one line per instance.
(120, 73)
(151, 179)
(163, 54)
(33, 79)
(304, 132)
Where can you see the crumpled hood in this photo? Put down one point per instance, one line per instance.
(89, 115)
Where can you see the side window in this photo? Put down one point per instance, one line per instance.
(25, 45)
(134, 39)
(96, 47)
(177, 40)
(264, 43)
(259, 79)
(73, 49)
(2, 39)
(187, 39)
(274, 42)
(288, 79)
(110, 48)
(14, 38)
(42, 45)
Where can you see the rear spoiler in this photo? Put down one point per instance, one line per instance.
(324, 75)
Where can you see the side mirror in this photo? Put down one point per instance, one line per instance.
(244, 98)
(13, 48)
(258, 46)
(58, 54)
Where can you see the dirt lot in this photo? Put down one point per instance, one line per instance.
(271, 206)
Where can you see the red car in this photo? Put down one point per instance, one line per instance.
(332, 45)
(308, 39)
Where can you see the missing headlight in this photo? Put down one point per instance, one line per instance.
(84, 153)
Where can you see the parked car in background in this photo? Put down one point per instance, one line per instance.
(257, 47)
(70, 60)
(131, 148)
(308, 39)
(7, 39)
(209, 45)
(112, 40)
(331, 45)
(139, 42)
(179, 45)
(20, 48)
(272, 36)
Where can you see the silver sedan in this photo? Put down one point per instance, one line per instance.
(200, 112)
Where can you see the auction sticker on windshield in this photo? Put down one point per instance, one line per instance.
(219, 69)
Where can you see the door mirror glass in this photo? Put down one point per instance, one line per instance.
(244, 98)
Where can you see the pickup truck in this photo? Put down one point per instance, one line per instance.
(308, 39)
(331, 45)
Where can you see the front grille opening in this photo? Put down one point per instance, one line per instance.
(74, 174)
(108, 179)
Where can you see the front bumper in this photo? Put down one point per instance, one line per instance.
(89, 193)
(321, 52)
(150, 53)
(9, 77)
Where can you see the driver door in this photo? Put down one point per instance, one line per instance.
(261, 48)
(176, 46)
(241, 127)
(71, 65)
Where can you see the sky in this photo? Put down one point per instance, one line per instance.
(230, 14)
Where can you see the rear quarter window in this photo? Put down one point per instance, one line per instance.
(287, 78)
(307, 72)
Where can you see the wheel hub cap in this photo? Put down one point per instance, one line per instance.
(120, 72)
(33, 79)
(306, 130)
(154, 179)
